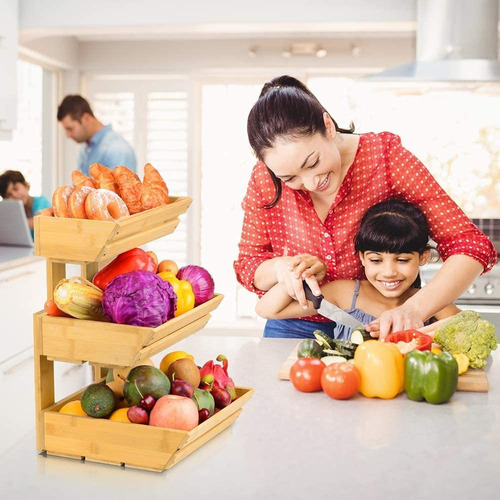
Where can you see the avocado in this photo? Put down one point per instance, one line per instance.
(98, 400)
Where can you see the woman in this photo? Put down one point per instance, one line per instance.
(308, 192)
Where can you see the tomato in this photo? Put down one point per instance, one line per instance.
(52, 310)
(340, 380)
(305, 374)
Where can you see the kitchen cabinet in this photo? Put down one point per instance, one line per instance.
(22, 293)
(8, 63)
(18, 393)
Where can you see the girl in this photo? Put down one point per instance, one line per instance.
(308, 191)
(392, 242)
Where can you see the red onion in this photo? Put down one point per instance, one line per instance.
(201, 282)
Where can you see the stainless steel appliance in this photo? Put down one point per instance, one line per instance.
(483, 295)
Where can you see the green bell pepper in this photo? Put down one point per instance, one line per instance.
(431, 377)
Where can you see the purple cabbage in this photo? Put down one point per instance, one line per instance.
(139, 298)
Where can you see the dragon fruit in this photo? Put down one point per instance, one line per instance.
(216, 375)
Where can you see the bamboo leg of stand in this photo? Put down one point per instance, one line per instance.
(56, 271)
(44, 382)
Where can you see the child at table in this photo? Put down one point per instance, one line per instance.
(13, 186)
(392, 243)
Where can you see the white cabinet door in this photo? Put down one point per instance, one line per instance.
(22, 293)
(8, 62)
(17, 391)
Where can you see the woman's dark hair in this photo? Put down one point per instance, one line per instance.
(8, 177)
(285, 108)
(393, 226)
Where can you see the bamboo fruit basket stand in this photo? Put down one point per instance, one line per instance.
(109, 345)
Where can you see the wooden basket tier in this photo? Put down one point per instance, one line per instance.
(113, 345)
(83, 240)
(130, 445)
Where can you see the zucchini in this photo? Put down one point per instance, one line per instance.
(309, 348)
(330, 360)
(360, 335)
(345, 348)
(324, 340)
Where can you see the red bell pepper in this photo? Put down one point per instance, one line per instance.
(424, 342)
(213, 374)
(135, 259)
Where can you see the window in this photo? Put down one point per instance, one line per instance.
(227, 162)
(452, 128)
(24, 151)
(153, 117)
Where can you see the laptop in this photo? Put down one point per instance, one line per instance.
(14, 229)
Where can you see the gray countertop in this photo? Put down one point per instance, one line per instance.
(11, 257)
(291, 445)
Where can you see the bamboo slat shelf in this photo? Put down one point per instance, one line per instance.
(83, 240)
(104, 344)
(112, 345)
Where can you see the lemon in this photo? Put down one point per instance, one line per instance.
(120, 415)
(171, 357)
(73, 408)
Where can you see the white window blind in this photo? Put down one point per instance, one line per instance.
(167, 151)
(116, 109)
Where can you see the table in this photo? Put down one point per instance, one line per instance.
(291, 445)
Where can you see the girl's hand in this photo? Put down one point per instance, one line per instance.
(401, 318)
(289, 272)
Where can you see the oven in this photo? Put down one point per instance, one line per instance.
(483, 295)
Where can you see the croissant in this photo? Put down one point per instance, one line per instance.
(130, 186)
(104, 178)
(155, 191)
(80, 179)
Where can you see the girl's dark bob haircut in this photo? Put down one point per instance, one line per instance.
(393, 226)
(287, 109)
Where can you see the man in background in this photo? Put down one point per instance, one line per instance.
(102, 144)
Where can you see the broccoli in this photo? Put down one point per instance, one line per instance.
(467, 333)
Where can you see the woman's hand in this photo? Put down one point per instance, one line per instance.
(404, 317)
(292, 271)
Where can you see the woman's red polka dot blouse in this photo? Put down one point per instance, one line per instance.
(382, 169)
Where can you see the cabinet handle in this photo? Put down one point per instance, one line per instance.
(16, 276)
(18, 366)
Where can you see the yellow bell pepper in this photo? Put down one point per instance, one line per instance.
(382, 369)
(183, 290)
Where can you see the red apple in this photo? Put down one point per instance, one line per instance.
(174, 412)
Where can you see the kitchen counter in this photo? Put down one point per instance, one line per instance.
(11, 257)
(291, 445)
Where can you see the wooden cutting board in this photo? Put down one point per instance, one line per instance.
(472, 380)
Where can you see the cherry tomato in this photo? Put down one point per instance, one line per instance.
(52, 310)
(340, 380)
(305, 374)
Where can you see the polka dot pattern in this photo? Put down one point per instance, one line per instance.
(382, 169)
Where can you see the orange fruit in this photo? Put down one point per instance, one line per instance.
(120, 415)
(171, 357)
(168, 266)
(73, 408)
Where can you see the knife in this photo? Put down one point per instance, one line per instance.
(331, 311)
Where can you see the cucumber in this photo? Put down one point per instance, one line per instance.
(309, 348)
(324, 340)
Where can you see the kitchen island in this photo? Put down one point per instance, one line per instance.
(291, 445)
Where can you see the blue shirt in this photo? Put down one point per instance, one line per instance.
(108, 148)
(39, 203)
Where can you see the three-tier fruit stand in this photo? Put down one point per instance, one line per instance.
(108, 345)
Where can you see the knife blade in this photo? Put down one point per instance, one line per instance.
(331, 311)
